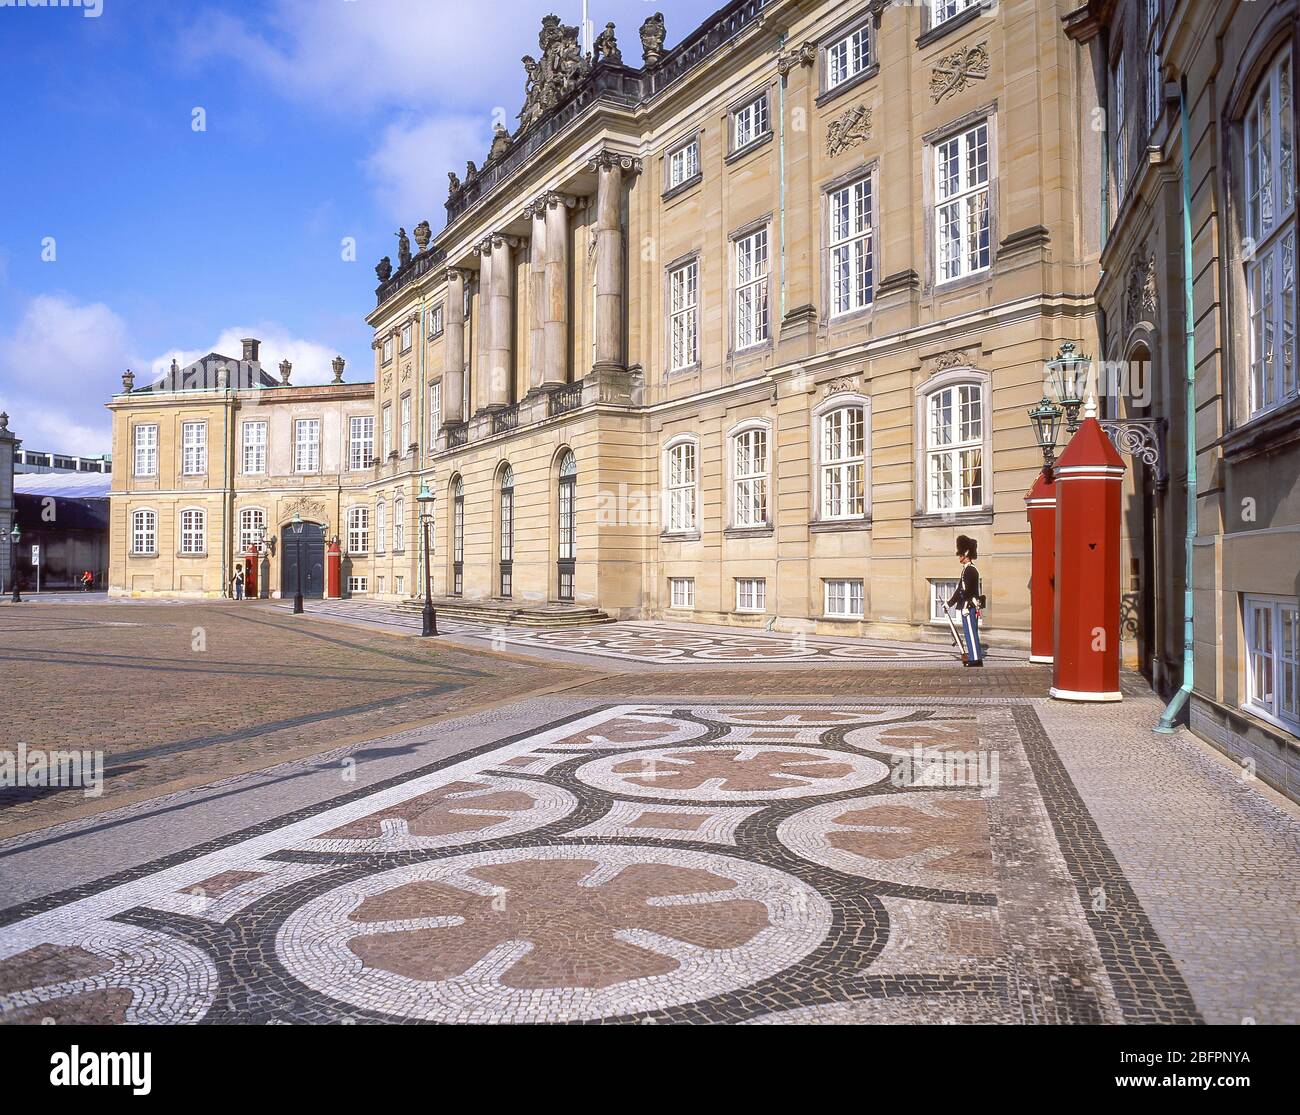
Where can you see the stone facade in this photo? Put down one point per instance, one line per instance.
(701, 278)
(1233, 66)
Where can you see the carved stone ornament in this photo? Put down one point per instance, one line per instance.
(840, 385)
(1140, 298)
(851, 127)
(652, 40)
(312, 510)
(337, 365)
(549, 200)
(958, 70)
(552, 76)
(805, 54)
(605, 47)
(423, 233)
(406, 371)
(501, 142)
(953, 358)
(403, 249)
(388, 380)
(384, 269)
(628, 163)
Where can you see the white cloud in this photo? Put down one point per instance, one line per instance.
(310, 360)
(409, 168)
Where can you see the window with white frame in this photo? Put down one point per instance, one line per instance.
(751, 258)
(406, 336)
(684, 162)
(1154, 86)
(358, 530)
(435, 411)
(681, 480)
(146, 450)
(399, 524)
(961, 190)
(388, 428)
(849, 56)
(144, 532)
(406, 424)
(399, 584)
(1271, 238)
(749, 122)
(506, 552)
(849, 211)
(749, 478)
(194, 524)
(380, 585)
(944, 10)
(954, 448)
(1119, 132)
(941, 590)
(1273, 658)
(358, 584)
(306, 445)
(252, 525)
(843, 599)
(194, 448)
(681, 592)
(388, 349)
(684, 314)
(751, 594)
(254, 447)
(361, 441)
(435, 321)
(381, 524)
(843, 463)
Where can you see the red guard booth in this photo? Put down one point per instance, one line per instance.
(250, 573)
(333, 570)
(1089, 476)
(1040, 506)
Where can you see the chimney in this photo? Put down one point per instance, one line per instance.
(285, 369)
(337, 365)
(251, 345)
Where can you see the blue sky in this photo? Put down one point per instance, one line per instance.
(323, 119)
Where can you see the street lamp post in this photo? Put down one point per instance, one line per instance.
(1046, 418)
(15, 536)
(296, 527)
(1070, 372)
(429, 625)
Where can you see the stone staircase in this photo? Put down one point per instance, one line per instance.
(499, 613)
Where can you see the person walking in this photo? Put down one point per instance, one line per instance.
(237, 582)
(969, 599)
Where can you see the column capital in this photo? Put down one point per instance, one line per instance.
(607, 160)
(805, 54)
(549, 200)
(462, 273)
(496, 240)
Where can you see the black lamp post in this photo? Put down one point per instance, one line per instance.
(429, 626)
(296, 527)
(1046, 417)
(14, 536)
(1070, 372)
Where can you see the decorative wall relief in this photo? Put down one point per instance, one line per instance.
(850, 128)
(958, 70)
(1140, 298)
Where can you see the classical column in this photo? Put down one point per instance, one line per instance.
(536, 295)
(611, 271)
(482, 327)
(556, 327)
(501, 323)
(453, 350)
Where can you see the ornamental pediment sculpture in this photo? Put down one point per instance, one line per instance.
(952, 358)
(850, 128)
(1140, 296)
(553, 75)
(958, 70)
(840, 385)
(313, 510)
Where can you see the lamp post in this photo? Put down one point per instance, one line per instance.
(1046, 419)
(15, 536)
(1070, 372)
(429, 626)
(296, 527)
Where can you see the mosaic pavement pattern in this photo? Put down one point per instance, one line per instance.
(640, 863)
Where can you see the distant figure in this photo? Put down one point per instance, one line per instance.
(970, 599)
(237, 582)
(87, 581)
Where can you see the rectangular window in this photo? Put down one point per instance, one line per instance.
(435, 411)
(399, 584)
(399, 526)
(1119, 136)
(955, 448)
(851, 248)
(1155, 90)
(751, 594)
(945, 10)
(961, 188)
(749, 479)
(194, 448)
(379, 584)
(254, 447)
(435, 321)
(681, 487)
(843, 599)
(358, 530)
(306, 445)
(406, 337)
(1273, 659)
(684, 315)
(361, 441)
(146, 451)
(749, 123)
(843, 463)
(682, 592)
(252, 525)
(193, 524)
(144, 532)
(848, 57)
(751, 289)
(358, 584)
(406, 425)
(684, 163)
(388, 349)
(388, 429)
(941, 589)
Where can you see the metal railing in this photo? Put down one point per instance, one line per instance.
(503, 421)
(565, 399)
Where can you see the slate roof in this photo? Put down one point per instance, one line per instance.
(204, 374)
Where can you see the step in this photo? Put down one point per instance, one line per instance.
(499, 613)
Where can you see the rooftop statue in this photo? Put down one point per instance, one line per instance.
(551, 77)
(652, 39)
(606, 46)
(384, 269)
(423, 233)
(403, 249)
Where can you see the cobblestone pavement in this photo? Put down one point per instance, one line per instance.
(666, 846)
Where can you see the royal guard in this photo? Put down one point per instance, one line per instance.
(969, 600)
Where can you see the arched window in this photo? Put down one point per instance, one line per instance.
(399, 524)
(194, 529)
(568, 523)
(358, 530)
(381, 524)
(1271, 228)
(457, 536)
(252, 525)
(681, 485)
(144, 532)
(507, 552)
(954, 436)
(749, 477)
(842, 461)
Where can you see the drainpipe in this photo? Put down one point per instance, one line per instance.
(780, 157)
(1171, 712)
